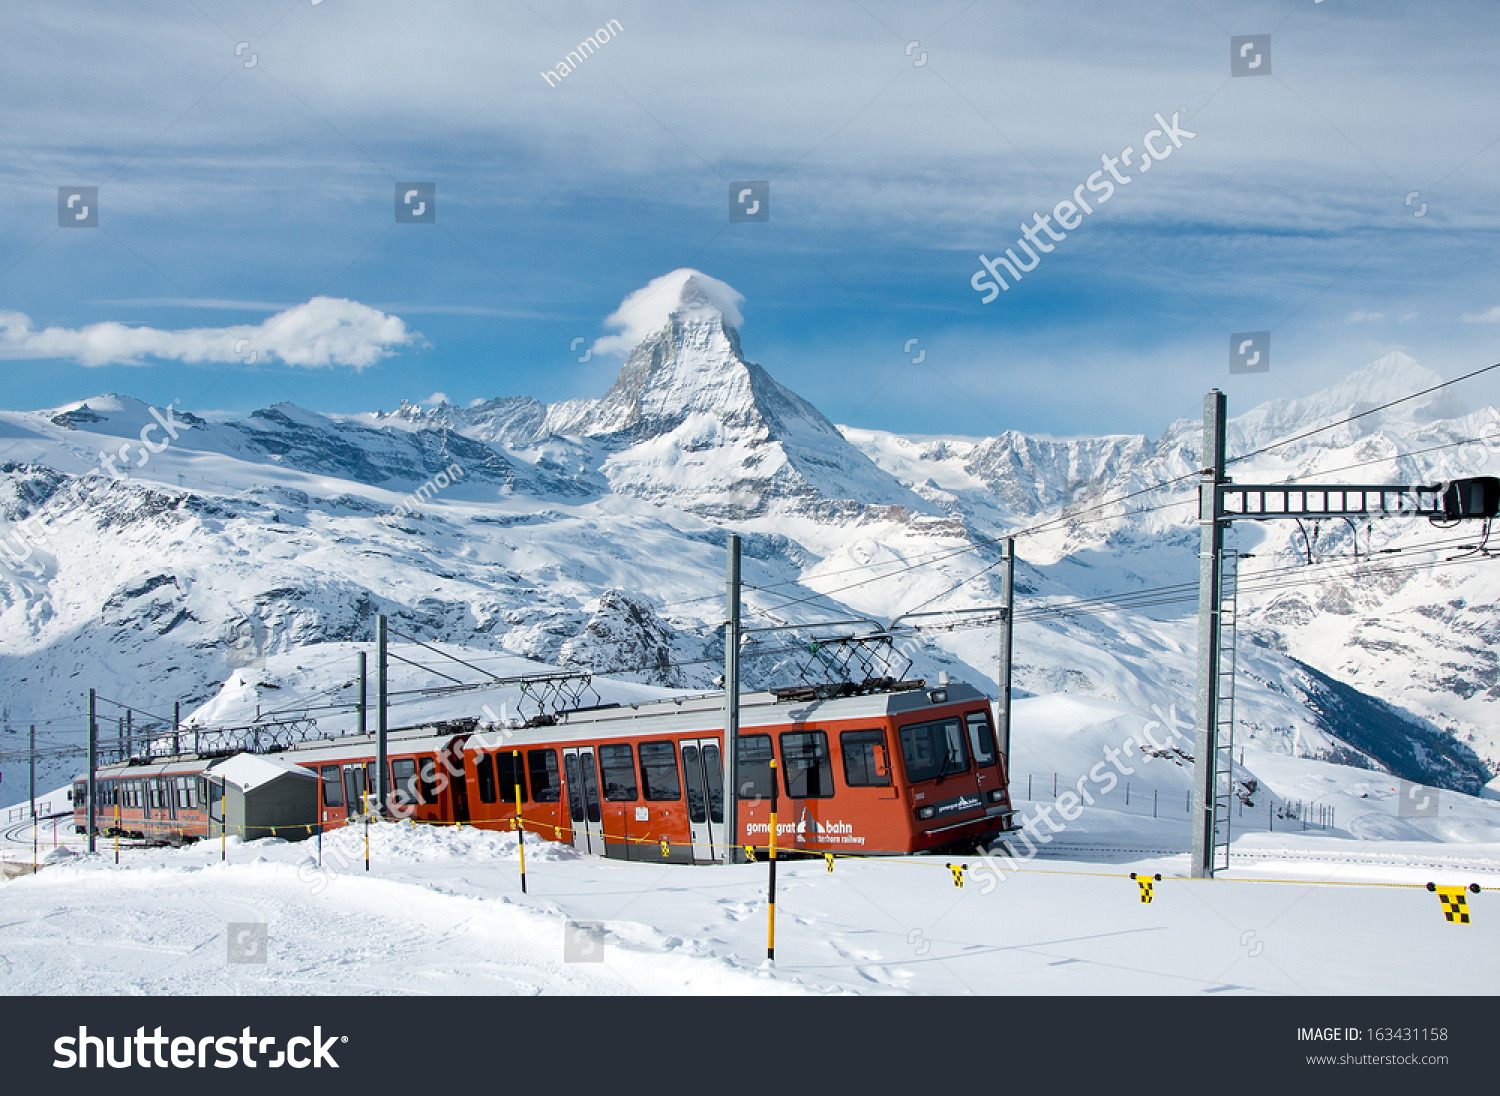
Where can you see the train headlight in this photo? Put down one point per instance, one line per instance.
(926, 812)
(996, 795)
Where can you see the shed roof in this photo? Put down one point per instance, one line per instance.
(250, 771)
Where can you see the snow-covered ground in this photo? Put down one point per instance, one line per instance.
(441, 909)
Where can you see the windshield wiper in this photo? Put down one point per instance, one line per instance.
(943, 772)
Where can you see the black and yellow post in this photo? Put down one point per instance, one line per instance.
(223, 824)
(520, 829)
(366, 797)
(771, 905)
(117, 828)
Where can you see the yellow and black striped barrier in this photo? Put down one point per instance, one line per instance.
(1146, 883)
(1455, 903)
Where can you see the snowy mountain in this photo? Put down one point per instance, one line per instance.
(248, 555)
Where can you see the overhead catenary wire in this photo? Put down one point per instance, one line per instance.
(1355, 417)
(1074, 514)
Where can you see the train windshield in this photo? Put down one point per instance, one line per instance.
(981, 738)
(934, 750)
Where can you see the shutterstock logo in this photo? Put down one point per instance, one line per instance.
(247, 1049)
(1250, 352)
(1250, 55)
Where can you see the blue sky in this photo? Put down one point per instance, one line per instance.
(229, 193)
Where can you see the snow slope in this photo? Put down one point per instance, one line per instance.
(441, 911)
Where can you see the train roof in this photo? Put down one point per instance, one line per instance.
(170, 766)
(678, 714)
(671, 716)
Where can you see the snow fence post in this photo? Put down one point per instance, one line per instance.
(520, 829)
(771, 888)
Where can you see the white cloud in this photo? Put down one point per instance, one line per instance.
(1361, 316)
(436, 399)
(1489, 315)
(647, 310)
(326, 331)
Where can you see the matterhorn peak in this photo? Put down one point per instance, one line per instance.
(690, 420)
(683, 295)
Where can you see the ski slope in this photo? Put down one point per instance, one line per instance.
(441, 910)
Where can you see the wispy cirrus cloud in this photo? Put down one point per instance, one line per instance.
(324, 332)
(1489, 315)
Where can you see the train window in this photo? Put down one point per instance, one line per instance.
(510, 775)
(545, 786)
(404, 790)
(934, 750)
(183, 800)
(333, 787)
(355, 787)
(713, 766)
(575, 788)
(619, 773)
(427, 780)
(981, 738)
(809, 769)
(866, 764)
(484, 768)
(659, 771)
(755, 756)
(590, 785)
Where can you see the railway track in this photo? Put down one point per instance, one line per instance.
(1056, 851)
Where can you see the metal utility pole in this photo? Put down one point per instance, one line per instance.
(1007, 634)
(128, 734)
(1210, 581)
(176, 728)
(1221, 503)
(31, 751)
(93, 765)
(732, 701)
(363, 707)
(382, 774)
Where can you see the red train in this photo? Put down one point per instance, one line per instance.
(909, 769)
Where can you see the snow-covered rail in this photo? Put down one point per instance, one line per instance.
(1058, 851)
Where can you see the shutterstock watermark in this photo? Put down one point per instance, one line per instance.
(440, 482)
(158, 1051)
(426, 785)
(1100, 780)
(1068, 214)
(115, 466)
(584, 50)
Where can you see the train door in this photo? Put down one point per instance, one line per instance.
(703, 773)
(458, 787)
(355, 787)
(982, 746)
(581, 775)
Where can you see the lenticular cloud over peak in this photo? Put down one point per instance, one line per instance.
(326, 331)
(648, 309)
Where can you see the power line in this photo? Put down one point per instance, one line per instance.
(1360, 415)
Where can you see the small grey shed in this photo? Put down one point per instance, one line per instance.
(262, 797)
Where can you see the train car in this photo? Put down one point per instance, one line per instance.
(422, 784)
(164, 800)
(905, 770)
